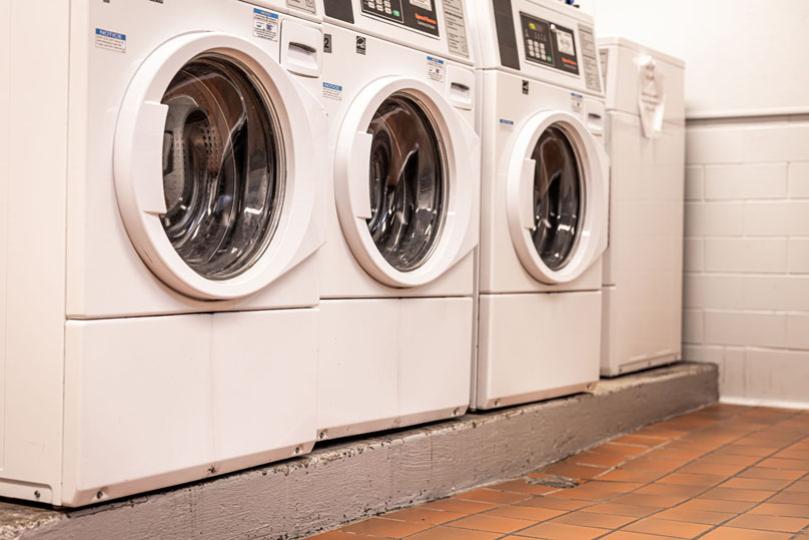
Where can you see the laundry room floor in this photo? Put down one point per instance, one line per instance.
(724, 472)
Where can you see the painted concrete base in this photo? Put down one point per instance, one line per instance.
(343, 481)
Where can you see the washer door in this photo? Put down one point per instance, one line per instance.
(212, 196)
(406, 194)
(557, 197)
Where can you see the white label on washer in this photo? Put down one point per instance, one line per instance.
(456, 27)
(423, 4)
(332, 91)
(265, 24)
(435, 68)
(576, 101)
(305, 5)
(112, 41)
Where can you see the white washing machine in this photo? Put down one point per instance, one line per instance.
(397, 272)
(643, 270)
(544, 202)
(161, 202)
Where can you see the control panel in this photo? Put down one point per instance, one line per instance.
(543, 39)
(420, 15)
(549, 44)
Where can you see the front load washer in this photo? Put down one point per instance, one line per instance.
(402, 215)
(161, 204)
(544, 202)
(643, 266)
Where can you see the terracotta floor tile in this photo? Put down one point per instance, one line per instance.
(729, 459)
(596, 491)
(695, 516)
(771, 474)
(627, 475)
(669, 453)
(623, 509)
(553, 503)
(562, 531)
(745, 495)
(782, 463)
(671, 489)
(718, 505)
(755, 483)
(386, 528)
(690, 479)
(659, 431)
(449, 533)
(648, 463)
(769, 523)
(718, 469)
(732, 533)
(420, 514)
(789, 497)
(779, 509)
(535, 513)
(580, 472)
(602, 459)
(629, 535)
(460, 506)
(665, 527)
(522, 486)
(749, 451)
(490, 496)
(635, 439)
(490, 523)
(656, 501)
(793, 453)
(799, 487)
(583, 493)
(614, 487)
(593, 519)
(626, 449)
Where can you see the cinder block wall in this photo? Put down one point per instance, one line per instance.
(746, 294)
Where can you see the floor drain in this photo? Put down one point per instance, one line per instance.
(552, 480)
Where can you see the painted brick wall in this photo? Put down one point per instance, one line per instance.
(746, 293)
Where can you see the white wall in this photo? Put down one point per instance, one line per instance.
(746, 290)
(747, 210)
(743, 56)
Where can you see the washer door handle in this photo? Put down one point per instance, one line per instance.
(147, 163)
(527, 173)
(359, 175)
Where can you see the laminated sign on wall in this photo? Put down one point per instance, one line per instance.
(652, 97)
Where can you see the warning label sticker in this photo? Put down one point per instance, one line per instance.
(435, 68)
(112, 41)
(332, 91)
(265, 24)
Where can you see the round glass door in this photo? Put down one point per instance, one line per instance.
(558, 197)
(222, 167)
(407, 183)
